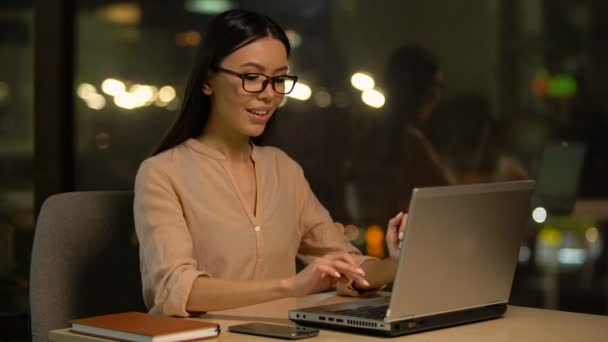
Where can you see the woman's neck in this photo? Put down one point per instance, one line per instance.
(235, 148)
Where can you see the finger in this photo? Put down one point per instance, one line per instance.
(402, 231)
(356, 277)
(344, 268)
(361, 281)
(345, 257)
(329, 271)
(393, 223)
(402, 226)
(349, 276)
(347, 269)
(392, 232)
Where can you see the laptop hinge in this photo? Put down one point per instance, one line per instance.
(389, 320)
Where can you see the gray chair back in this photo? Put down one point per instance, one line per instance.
(84, 260)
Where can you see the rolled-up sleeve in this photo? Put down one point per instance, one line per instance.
(168, 268)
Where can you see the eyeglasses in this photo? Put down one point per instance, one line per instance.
(256, 83)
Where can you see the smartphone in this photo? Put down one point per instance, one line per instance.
(289, 332)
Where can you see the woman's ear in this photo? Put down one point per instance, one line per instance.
(207, 88)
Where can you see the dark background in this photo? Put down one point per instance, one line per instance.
(495, 113)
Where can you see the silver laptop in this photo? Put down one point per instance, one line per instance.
(456, 266)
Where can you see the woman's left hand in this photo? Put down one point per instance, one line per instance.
(394, 234)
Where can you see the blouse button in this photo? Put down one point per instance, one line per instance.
(257, 228)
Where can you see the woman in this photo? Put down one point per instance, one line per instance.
(220, 220)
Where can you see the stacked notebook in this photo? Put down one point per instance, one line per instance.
(137, 326)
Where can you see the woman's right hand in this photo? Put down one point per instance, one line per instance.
(323, 273)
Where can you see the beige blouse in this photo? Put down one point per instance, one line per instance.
(192, 221)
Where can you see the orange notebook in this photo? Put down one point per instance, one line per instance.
(138, 326)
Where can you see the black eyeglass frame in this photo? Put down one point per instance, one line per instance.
(269, 79)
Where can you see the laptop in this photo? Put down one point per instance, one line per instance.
(558, 176)
(456, 266)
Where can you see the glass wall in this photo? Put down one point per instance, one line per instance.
(519, 96)
(16, 155)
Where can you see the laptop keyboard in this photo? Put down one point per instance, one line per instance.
(372, 312)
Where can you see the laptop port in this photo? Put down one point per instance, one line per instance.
(330, 319)
(322, 318)
(339, 320)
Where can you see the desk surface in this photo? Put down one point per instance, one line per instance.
(518, 324)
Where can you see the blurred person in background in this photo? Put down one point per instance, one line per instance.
(414, 83)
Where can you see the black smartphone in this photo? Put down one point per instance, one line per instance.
(289, 332)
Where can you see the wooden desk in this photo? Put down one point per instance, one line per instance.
(518, 324)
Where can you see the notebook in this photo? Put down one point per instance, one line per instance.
(456, 266)
(138, 326)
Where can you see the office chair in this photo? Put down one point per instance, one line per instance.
(84, 260)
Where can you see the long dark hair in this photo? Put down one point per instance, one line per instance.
(409, 76)
(409, 79)
(226, 33)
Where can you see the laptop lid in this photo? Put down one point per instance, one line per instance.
(459, 248)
